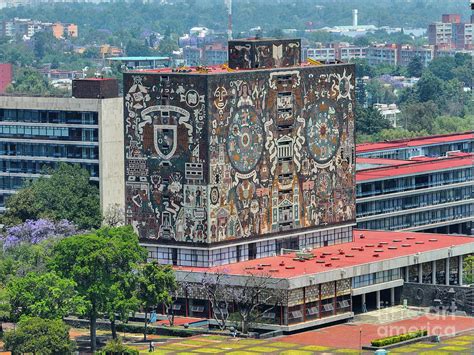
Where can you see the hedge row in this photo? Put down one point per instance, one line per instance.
(398, 338)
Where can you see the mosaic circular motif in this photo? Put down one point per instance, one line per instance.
(245, 140)
(323, 132)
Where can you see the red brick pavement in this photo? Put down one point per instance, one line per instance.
(349, 335)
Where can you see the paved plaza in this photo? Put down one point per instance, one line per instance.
(463, 344)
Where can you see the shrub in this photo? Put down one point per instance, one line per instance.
(398, 338)
(39, 336)
(116, 346)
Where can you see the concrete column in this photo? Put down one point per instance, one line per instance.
(392, 296)
(377, 299)
(433, 272)
(407, 275)
(460, 269)
(446, 281)
(420, 273)
(363, 299)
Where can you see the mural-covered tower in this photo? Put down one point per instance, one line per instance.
(237, 162)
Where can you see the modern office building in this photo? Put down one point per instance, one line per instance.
(39, 132)
(431, 146)
(423, 194)
(248, 170)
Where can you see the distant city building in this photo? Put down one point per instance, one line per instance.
(389, 112)
(39, 132)
(56, 74)
(347, 52)
(209, 54)
(382, 54)
(26, 28)
(334, 51)
(450, 33)
(407, 53)
(326, 54)
(106, 50)
(21, 27)
(61, 30)
(6, 76)
(215, 54)
(192, 56)
(142, 62)
(398, 54)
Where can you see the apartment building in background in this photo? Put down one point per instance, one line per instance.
(26, 28)
(451, 33)
(86, 129)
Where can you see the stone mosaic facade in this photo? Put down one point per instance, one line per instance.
(213, 157)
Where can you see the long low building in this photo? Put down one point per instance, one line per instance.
(421, 194)
(430, 146)
(328, 284)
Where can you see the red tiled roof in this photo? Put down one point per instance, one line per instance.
(413, 142)
(366, 244)
(415, 167)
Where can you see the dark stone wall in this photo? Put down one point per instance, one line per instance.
(422, 295)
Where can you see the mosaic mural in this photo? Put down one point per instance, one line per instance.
(215, 157)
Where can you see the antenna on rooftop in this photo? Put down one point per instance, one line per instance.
(229, 14)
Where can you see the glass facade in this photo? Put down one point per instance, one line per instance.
(32, 140)
(376, 278)
(415, 182)
(232, 254)
(418, 219)
(413, 201)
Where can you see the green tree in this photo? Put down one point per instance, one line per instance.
(138, 48)
(46, 296)
(420, 116)
(442, 67)
(370, 121)
(44, 42)
(468, 269)
(97, 262)
(429, 87)
(155, 285)
(362, 68)
(415, 67)
(29, 81)
(168, 45)
(66, 194)
(39, 336)
(449, 124)
(116, 346)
